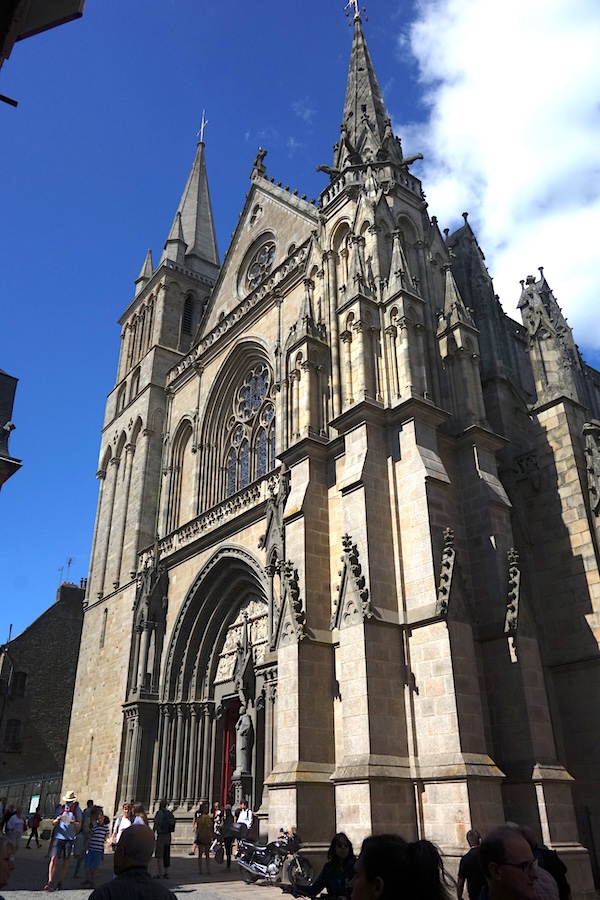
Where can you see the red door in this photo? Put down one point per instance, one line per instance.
(231, 716)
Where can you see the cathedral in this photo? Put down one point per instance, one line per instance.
(345, 561)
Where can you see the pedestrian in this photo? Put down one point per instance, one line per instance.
(244, 817)
(204, 836)
(228, 832)
(98, 835)
(8, 812)
(217, 817)
(336, 874)
(469, 869)
(82, 841)
(509, 866)
(548, 861)
(15, 827)
(121, 823)
(34, 824)
(164, 826)
(66, 822)
(7, 860)
(389, 868)
(133, 881)
(139, 814)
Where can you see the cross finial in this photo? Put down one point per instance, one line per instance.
(355, 7)
(203, 125)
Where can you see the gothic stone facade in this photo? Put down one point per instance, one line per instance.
(342, 489)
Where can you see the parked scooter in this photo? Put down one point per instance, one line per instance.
(269, 862)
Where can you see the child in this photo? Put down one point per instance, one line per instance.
(100, 829)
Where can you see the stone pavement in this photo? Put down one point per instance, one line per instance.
(31, 874)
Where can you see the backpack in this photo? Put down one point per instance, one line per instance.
(170, 820)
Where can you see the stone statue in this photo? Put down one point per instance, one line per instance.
(244, 741)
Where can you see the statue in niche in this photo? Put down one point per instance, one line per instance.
(244, 742)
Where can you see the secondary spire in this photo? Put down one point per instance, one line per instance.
(193, 227)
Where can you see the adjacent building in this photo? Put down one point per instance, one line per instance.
(8, 464)
(37, 678)
(346, 547)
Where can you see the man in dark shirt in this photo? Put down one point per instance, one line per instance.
(470, 870)
(509, 865)
(131, 859)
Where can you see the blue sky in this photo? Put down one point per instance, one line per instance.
(96, 155)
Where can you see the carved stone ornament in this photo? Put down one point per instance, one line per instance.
(528, 469)
(292, 594)
(289, 624)
(511, 621)
(353, 603)
(446, 573)
(591, 432)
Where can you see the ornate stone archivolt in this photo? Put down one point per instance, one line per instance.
(204, 596)
(353, 603)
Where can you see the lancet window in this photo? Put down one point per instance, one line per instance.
(250, 442)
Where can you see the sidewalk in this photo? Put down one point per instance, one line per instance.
(31, 874)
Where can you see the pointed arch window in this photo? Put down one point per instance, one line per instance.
(250, 443)
(187, 320)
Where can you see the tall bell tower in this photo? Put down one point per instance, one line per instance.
(158, 328)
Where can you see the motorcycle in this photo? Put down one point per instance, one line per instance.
(269, 862)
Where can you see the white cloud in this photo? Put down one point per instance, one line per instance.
(513, 137)
(303, 110)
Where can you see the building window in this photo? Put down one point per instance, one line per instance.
(135, 385)
(260, 265)
(121, 398)
(18, 684)
(12, 734)
(250, 447)
(187, 321)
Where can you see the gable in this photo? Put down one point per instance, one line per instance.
(272, 224)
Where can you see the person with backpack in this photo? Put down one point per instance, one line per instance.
(164, 826)
(34, 823)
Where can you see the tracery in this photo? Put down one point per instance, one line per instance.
(250, 444)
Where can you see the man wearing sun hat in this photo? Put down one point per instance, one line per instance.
(66, 822)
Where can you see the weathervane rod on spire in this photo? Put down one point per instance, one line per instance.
(355, 6)
(203, 125)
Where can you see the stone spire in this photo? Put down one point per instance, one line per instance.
(555, 358)
(366, 131)
(459, 348)
(145, 274)
(193, 225)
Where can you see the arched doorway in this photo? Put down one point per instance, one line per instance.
(216, 726)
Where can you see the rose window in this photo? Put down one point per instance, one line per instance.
(261, 265)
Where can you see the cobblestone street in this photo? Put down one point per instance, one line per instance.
(31, 874)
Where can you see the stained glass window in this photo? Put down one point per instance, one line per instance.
(261, 453)
(261, 265)
(250, 449)
(231, 472)
(244, 464)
